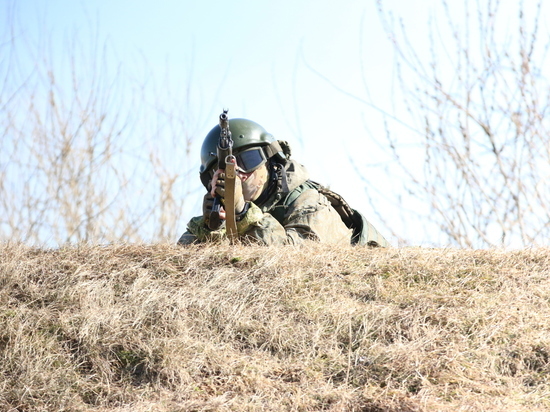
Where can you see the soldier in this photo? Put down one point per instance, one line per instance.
(275, 201)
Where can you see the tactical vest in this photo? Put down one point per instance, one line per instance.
(363, 232)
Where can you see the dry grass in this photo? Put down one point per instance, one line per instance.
(165, 328)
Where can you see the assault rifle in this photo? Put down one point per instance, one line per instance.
(227, 162)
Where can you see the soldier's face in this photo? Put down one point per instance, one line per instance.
(254, 183)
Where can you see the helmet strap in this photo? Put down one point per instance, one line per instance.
(281, 176)
(277, 182)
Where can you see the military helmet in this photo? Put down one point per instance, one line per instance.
(246, 135)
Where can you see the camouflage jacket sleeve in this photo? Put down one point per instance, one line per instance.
(310, 216)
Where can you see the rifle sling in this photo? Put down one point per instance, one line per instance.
(229, 201)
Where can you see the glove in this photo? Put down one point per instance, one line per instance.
(218, 188)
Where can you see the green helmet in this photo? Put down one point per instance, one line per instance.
(246, 134)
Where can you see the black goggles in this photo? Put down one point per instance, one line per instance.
(247, 161)
(250, 160)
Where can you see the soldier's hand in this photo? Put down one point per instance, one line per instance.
(218, 188)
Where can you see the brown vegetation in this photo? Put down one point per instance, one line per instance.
(220, 327)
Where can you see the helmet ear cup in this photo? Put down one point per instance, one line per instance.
(205, 178)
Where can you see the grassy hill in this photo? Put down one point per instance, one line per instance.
(166, 328)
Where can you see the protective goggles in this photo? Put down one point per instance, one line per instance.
(251, 159)
(247, 162)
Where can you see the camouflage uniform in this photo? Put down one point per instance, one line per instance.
(295, 209)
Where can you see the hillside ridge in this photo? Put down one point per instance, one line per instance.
(221, 327)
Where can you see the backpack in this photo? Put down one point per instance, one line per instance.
(364, 233)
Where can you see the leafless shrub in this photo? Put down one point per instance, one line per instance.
(87, 151)
(479, 96)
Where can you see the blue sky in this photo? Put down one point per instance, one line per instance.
(266, 61)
